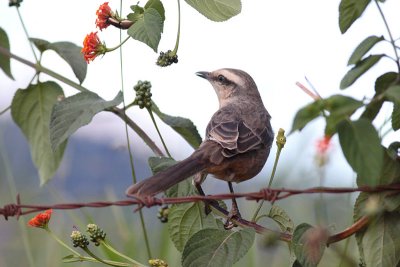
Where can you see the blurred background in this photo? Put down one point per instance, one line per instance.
(278, 43)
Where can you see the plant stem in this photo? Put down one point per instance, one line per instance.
(392, 41)
(280, 142)
(158, 131)
(110, 248)
(40, 68)
(27, 35)
(102, 261)
(5, 110)
(132, 166)
(118, 46)
(179, 29)
(89, 259)
(62, 243)
(73, 84)
(120, 113)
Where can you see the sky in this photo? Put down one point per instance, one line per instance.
(277, 42)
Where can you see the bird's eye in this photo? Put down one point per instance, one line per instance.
(221, 79)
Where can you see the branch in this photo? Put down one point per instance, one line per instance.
(142, 134)
(119, 112)
(268, 194)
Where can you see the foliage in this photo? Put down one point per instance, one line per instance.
(47, 119)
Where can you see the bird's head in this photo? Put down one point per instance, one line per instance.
(231, 85)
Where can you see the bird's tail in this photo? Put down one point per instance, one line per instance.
(167, 178)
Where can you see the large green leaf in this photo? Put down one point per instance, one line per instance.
(217, 10)
(157, 5)
(363, 48)
(31, 110)
(5, 61)
(382, 83)
(381, 241)
(340, 107)
(393, 94)
(362, 149)
(307, 114)
(309, 244)
(358, 70)
(350, 11)
(215, 247)
(148, 28)
(183, 126)
(396, 117)
(68, 51)
(184, 220)
(74, 112)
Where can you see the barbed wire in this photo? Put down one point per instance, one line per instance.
(268, 194)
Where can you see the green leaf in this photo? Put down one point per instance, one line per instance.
(41, 45)
(280, 216)
(381, 241)
(184, 220)
(215, 247)
(308, 244)
(74, 112)
(382, 83)
(358, 70)
(350, 11)
(137, 13)
(31, 110)
(4, 60)
(340, 107)
(391, 168)
(217, 10)
(157, 5)
(182, 126)
(362, 149)
(396, 117)
(68, 51)
(363, 48)
(148, 28)
(71, 53)
(306, 115)
(360, 211)
(393, 94)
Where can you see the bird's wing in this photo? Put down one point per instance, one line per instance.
(234, 135)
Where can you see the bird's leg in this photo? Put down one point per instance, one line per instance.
(197, 181)
(234, 212)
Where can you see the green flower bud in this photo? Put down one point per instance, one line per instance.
(79, 239)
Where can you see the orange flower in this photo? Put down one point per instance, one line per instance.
(103, 14)
(323, 145)
(92, 47)
(41, 220)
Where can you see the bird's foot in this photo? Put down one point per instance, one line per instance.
(233, 214)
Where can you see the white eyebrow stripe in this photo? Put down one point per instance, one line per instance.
(230, 76)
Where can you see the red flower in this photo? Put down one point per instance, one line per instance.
(323, 145)
(92, 47)
(41, 220)
(103, 14)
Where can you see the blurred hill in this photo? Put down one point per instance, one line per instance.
(88, 167)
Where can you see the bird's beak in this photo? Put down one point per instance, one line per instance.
(203, 74)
